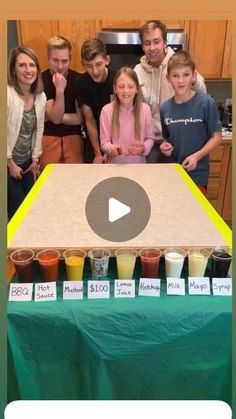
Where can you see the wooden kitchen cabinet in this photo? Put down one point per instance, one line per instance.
(227, 59)
(77, 31)
(220, 180)
(135, 24)
(35, 33)
(227, 205)
(210, 41)
(120, 24)
(206, 45)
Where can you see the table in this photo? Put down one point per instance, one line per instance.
(172, 347)
(167, 347)
(53, 214)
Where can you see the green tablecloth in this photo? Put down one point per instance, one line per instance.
(168, 347)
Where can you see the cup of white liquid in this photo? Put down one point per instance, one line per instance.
(197, 261)
(174, 260)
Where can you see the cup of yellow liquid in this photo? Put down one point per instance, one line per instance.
(125, 259)
(197, 261)
(74, 260)
(99, 262)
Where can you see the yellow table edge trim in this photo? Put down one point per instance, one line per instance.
(219, 223)
(24, 208)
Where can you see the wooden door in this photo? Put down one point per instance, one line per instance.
(206, 45)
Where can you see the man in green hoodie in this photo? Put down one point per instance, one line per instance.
(152, 72)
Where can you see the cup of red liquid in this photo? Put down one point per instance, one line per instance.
(23, 263)
(150, 261)
(49, 263)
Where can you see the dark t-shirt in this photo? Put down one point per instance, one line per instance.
(62, 130)
(95, 95)
(189, 126)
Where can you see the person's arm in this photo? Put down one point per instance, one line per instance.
(166, 148)
(92, 132)
(105, 136)
(199, 85)
(40, 112)
(190, 163)
(149, 132)
(15, 171)
(73, 118)
(55, 109)
(37, 145)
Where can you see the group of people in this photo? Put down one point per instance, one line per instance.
(157, 112)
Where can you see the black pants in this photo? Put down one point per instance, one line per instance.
(17, 189)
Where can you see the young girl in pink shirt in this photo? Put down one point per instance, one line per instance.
(126, 124)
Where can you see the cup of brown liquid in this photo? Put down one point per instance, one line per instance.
(23, 263)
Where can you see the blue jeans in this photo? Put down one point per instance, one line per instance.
(17, 189)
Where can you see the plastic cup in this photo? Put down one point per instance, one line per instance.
(99, 262)
(74, 261)
(49, 264)
(197, 261)
(221, 260)
(23, 263)
(150, 261)
(125, 259)
(174, 260)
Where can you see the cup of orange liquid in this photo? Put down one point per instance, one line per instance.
(49, 263)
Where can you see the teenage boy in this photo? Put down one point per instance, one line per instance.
(191, 125)
(62, 141)
(152, 75)
(95, 88)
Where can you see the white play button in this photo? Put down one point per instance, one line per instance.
(117, 210)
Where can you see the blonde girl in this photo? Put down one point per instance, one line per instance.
(126, 125)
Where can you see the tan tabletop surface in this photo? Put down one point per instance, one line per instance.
(56, 218)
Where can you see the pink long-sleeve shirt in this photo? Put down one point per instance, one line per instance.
(127, 132)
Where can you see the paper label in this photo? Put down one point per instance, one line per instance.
(124, 288)
(73, 290)
(175, 286)
(98, 289)
(20, 292)
(149, 287)
(222, 286)
(199, 286)
(45, 291)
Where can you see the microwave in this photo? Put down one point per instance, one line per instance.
(124, 47)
